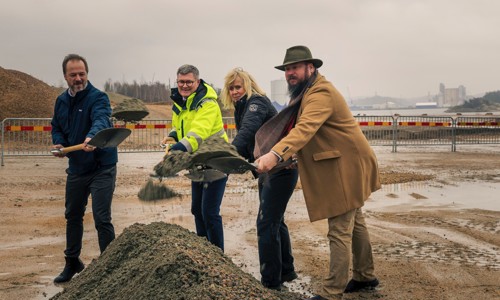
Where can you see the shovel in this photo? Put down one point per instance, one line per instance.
(231, 165)
(109, 137)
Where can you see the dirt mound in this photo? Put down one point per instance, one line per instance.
(23, 96)
(391, 177)
(165, 261)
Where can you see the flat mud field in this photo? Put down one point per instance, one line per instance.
(434, 225)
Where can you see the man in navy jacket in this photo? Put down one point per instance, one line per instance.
(80, 112)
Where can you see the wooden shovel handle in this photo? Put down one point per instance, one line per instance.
(68, 149)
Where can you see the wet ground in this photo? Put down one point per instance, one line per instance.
(432, 239)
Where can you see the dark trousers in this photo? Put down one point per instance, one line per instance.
(275, 249)
(101, 185)
(205, 206)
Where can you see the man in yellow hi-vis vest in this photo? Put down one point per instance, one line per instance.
(196, 115)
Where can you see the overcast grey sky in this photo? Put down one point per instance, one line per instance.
(398, 48)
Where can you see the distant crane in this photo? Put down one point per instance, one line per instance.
(349, 96)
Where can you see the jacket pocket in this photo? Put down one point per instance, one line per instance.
(326, 155)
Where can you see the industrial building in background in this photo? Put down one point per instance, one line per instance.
(448, 97)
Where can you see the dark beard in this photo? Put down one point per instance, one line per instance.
(295, 90)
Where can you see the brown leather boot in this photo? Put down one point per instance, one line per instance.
(73, 265)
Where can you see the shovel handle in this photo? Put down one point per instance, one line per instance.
(67, 149)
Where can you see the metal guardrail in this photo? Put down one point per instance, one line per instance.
(477, 130)
(32, 136)
(379, 130)
(424, 130)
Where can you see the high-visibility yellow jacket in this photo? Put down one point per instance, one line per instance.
(196, 118)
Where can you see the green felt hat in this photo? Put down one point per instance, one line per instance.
(299, 54)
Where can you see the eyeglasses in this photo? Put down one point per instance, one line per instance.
(187, 83)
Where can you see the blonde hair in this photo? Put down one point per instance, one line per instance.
(249, 83)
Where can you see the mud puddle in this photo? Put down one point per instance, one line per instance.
(429, 194)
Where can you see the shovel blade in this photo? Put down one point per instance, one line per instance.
(205, 175)
(231, 165)
(109, 137)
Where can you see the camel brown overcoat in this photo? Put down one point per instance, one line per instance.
(338, 169)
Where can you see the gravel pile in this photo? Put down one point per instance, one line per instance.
(23, 96)
(165, 261)
(391, 177)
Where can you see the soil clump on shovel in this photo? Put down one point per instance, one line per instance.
(130, 110)
(176, 161)
(165, 261)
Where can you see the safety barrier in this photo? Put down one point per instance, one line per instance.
(379, 130)
(32, 136)
(477, 130)
(423, 130)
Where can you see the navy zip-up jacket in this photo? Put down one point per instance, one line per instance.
(79, 117)
(249, 116)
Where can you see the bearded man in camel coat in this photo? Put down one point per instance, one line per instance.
(338, 169)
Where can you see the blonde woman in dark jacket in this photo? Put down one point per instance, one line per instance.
(251, 110)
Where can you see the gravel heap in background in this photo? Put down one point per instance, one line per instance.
(165, 261)
(130, 110)
(24, 96)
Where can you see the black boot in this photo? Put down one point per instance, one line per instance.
(73, 265)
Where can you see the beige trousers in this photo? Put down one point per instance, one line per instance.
(348, 233)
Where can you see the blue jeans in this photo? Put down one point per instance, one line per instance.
(205, 206)
(101, 185)
(275, 249)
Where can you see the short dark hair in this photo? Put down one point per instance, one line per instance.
(74, 57)
(186, 69)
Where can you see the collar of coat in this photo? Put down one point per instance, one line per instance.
(81, 94)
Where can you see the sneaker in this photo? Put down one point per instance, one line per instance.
(356, 286)
(289, 277)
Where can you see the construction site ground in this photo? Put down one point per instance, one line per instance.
(434, 225)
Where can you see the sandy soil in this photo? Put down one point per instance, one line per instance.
(434, 239)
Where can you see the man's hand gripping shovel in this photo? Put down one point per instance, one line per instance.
(109, 137)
